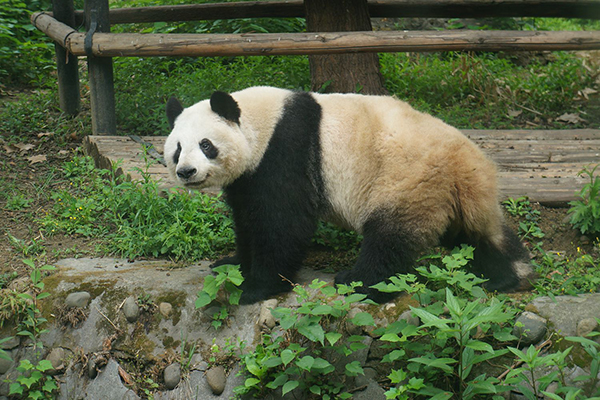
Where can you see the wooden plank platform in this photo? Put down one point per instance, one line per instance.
(539, 164)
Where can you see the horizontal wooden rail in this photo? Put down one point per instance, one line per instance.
(147, 45)
(377, 8)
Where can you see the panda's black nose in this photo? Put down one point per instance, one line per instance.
(185, 173)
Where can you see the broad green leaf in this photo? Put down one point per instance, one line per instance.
(44, 365)
(306, 363)
(354, 369)
(363, 319)
(289, 386)
(333, 337)
(287, 356)
(203, 299)
(322, 309)
(480, 346)
(251, 382)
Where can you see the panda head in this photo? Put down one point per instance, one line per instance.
(206, 147)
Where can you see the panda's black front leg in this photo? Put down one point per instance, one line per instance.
(271, 244)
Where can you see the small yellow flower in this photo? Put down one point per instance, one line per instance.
(578, 249)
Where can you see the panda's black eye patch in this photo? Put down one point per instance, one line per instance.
(209, 150)
(177, 153)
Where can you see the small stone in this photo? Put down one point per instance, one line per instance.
(78, 299)
(410, 318)
(198, 363)
(92, 372)
(265, 318)
(131, 309)
(5, 364)
(530, 328)
(56, 357)
(11, 343)
(165, 309)
(172, 376)
(216, 379)
(586, 326)
(584, 240)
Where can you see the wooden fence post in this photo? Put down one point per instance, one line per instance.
(66, 63)
(100, 70)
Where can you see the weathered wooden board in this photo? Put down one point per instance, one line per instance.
(540, 164)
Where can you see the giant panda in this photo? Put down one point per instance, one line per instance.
(403, 179)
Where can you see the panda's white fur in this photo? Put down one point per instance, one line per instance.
(384, 169)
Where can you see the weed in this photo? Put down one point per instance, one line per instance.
(227, 280)
(560, 274)
(30, 325)
(311, 356)
(7, 277)
(33, 382)
(585, 212)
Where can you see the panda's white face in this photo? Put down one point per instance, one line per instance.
(204, 149)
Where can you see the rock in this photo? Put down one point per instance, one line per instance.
(108, 385)
(131, 309)
(172, 376)
(216, 379)
(584, 240)
(56, 358)
(410, 318)
(265, 318)
(5, 364)
(198, 363)
(92, 372)
(165, 309)
(78, 299)
(11, 343)
(372, 391)
(565, 312)
(530, 328)
(586, 326)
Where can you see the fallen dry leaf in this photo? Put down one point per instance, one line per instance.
(125, 376)
(514, 113)
(36, 159)
(570, 118)
(45, 134)
(24, 147)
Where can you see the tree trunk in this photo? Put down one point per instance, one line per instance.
(342, 73)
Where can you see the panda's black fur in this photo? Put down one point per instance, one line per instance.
(276, 206)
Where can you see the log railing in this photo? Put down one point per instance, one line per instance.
(99, 45)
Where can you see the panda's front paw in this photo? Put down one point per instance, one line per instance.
(252, 293)
(232, 260)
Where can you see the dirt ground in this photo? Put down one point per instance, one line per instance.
(33, 168)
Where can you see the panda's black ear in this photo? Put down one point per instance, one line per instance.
(174, 108)
(224, 105)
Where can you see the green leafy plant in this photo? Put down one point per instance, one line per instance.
(439, 356)
(30, 325)
(227, 280)
(585, 212)
(33, 382)
(310, 358)
(135, 218)
(560, 274)
(592, 382)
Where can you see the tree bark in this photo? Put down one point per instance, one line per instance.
(342, 73)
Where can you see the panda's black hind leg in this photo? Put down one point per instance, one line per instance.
(506, 266)
(385, 251)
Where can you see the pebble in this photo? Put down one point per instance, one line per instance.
(165, 309)
(131, 309)
(92, 372)
(586, 326)
(172, 376)
(11, 343)
(265, 318)
(216, 379)
(410, 318)
(532, 330)
(78, 299)
(56, 357)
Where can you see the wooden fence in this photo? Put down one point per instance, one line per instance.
(99, 45)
